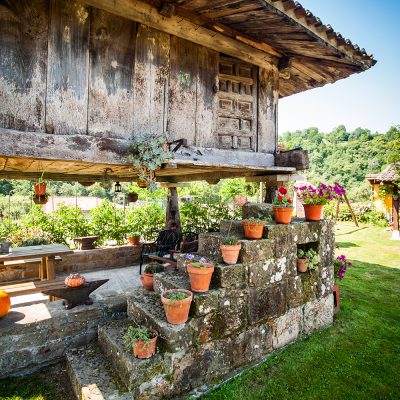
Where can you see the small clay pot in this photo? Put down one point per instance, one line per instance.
(147, 281)
(134, 240)
(283, 215)
(200, 278)
(253, 230)
(313, 212)
(143, 350)
(230, 253)
(302, 264)
(177, 311)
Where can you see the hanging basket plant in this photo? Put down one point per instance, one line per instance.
(40, 186)
(40, 199)
(147, 154)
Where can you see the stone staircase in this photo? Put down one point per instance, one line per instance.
(251, 309)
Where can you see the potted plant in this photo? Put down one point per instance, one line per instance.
(40, 199)
(230, 249)
(307, 260)
(176, 304)
(141, 340)
(283, 207)
(340, 267)
(200, 272)
(147, 278)
(253, 228)
(133, 238)
(39, 188)
(147, 154)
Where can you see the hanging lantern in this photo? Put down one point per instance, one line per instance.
(117, 187)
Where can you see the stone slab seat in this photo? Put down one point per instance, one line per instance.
(145, 308)
(92, 376)
(132, 371)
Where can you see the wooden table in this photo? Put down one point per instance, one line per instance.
(47, 253)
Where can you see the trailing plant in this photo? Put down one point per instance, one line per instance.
(340, 266)
(138, 334)
(321, 194)
(153, 268)
(282, 200)
(230, 241)
(148, 153)
(311, 255)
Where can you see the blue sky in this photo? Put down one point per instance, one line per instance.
(370, 99)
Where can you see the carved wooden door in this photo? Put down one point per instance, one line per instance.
(237, 105)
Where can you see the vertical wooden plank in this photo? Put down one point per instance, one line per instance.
(68, 59)
(23, 61)
(112, 51)
(151, 80)
(182, 90)
(207, 99)
(268, 95)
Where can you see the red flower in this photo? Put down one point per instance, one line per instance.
(280, 198)
(282, 190)
(289, 201)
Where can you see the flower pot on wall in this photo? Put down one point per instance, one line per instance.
(313, 212)
(230, 253)
(200, 278)
(253, 230)
(176, 311)
(283, 215)
(302, 264)
(144, 350)
(147, 281)
(134, 240)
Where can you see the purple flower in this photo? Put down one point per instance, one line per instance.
(189, 256)
(202, 260)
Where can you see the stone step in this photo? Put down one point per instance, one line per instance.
(145, 308)
(137, 374)
(92, 376)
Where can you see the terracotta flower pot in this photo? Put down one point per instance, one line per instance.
(40, 199)
(230, 253)
(200, 278)
(143, 350)
(313, 212)
(40, 189)
(336, 298)
(283, 215)
(253, 230)
(302, 264)
(134, 240)
(5, 303)
(147, 281)
(177, 311)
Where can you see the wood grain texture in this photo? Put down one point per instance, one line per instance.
(68, 60)
(151, 80)
(112, 51)
(182, 90)
(268, 94)
(23, 60)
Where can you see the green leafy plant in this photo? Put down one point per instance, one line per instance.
(133, 234)
(148, 153)
(176, 296)
(257, 221)
(230, 241)
(153, 268)
(311, 255)
(139, 334)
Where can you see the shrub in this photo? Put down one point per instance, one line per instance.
(30, 236)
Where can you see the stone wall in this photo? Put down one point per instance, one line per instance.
(79, 260)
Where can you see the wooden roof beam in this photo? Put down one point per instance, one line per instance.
(181, 27)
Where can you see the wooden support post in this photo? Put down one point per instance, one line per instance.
(43, 269)
(395, 211)
(337, 209)
(172, 214)
(50, 268)
(270, 192)
(351, 210)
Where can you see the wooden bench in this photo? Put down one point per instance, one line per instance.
(30, 287)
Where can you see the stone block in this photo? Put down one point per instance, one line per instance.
(266, 303)
(250, 345)
(225, 276)
(258, 210)
(209, 244)
(287, 328)
(253, 251)
(318, 314)
(272, 270)
(309, 281)
(232, 228)
(294, 292)
(307, 232)
(233, 308)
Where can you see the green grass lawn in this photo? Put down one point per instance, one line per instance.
(357, 358)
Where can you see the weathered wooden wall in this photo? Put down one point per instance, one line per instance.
(67, 68)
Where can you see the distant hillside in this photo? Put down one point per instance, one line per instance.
(346, 157)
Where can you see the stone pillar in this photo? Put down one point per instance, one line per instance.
(172, 214)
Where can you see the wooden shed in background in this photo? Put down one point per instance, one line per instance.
(79, 79)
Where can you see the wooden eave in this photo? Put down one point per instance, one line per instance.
(257, 31)
(25, 155)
